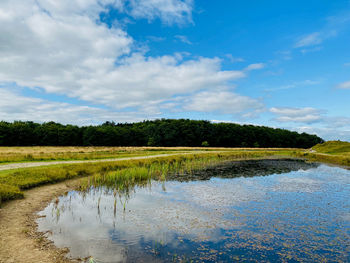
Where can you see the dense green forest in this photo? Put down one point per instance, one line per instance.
(164, 132)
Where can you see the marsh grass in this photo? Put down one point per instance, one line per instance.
(141, 172)
(120, 174)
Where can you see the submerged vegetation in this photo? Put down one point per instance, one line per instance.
(164, 133)
(114, 172)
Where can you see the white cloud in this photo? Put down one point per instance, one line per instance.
(327, 133)
(255, 66)
(156, 38)
(58, 47)
(233, 59)
(224, 102)
(327, 127)
(344, 85)
(309, 40)
(183, 39)
(303, 115)
(338, 122)
(293, 85)
(335, 24)
(140, 81)
(13, 106)
(309, 50)
(169, 11)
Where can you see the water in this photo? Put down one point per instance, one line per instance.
(255, 211)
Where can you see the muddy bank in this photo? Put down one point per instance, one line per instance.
(19, 239)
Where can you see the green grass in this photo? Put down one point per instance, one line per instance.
(120, 172)
(338, 159)
(333, 152)
(333, 147)
(9, 192)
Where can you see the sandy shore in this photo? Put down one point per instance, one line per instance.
(19, 239)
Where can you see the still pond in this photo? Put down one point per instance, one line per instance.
(248, 211)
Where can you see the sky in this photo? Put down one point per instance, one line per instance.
(275, 63)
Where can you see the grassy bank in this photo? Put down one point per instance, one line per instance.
(333, 147)
(13, 182)
(343, 160)
(333, 152)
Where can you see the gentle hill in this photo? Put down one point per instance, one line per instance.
(333, 147)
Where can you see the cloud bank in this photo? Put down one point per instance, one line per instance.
(62, 48)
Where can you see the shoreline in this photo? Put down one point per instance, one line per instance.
(20, 240)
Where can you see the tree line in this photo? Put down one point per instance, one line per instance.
(163, 132)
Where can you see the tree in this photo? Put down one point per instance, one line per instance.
(205, 144)
(163, 132)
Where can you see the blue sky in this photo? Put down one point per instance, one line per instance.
(275, 63)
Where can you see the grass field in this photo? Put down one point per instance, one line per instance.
(333, 147)
(333, 152)
(29, 154)
(47, 153)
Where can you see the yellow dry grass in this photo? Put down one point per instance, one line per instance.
(50, 153)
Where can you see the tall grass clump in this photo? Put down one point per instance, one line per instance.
(140, 171)
(120, 179)
(8, 192)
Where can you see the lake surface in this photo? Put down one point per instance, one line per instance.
(250, 211)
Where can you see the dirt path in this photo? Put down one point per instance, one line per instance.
(19, 241)
(36, 164)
